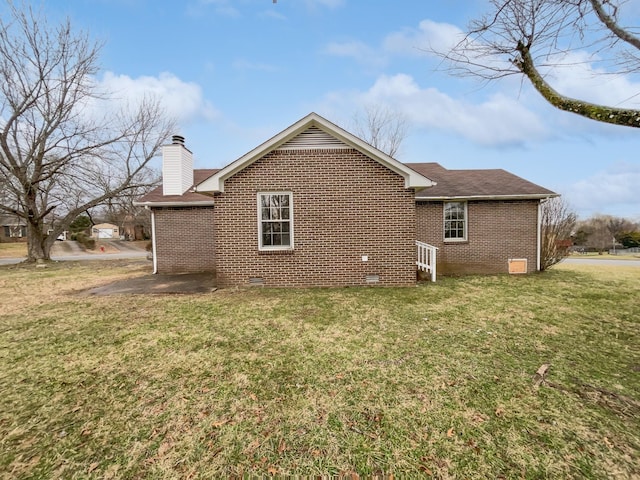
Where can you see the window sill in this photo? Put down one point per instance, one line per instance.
(456, 242)
(284, 251)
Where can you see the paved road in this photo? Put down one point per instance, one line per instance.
(68, 252)
(598, 261)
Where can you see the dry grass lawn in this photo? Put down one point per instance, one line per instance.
(436, 380)
(13, 250)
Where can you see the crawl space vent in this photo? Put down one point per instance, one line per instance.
(256, 281)
(517, 265)
(372, 278)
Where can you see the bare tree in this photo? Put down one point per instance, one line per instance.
(598, 235)
(523, 36)
(56, 151)
(556, 226)
(381, 127)
(618, 226)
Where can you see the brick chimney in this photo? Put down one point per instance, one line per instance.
(177, 167)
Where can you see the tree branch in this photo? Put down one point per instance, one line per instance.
(601, 113)
(613, 26)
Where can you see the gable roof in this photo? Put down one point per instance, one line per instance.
(12, 221)
(481, 184)
(328, 133)
(188, 198)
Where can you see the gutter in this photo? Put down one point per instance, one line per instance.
(537, 196)
(198, 203)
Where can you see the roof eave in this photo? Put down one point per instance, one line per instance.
(533, 196)
(176, 203)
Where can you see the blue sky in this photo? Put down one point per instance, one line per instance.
(236, 72)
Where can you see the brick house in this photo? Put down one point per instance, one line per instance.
(317, 206)
(12, 229)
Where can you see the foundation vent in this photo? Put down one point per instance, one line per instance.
(256, 281)
(372, 278)
(517, 265)
(313, 138)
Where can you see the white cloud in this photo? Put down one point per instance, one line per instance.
(429, 36)
(359, 51)
(497, 120)
(182, 100)
(614, 191)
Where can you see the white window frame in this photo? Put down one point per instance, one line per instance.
(465, 236)
(262, 247)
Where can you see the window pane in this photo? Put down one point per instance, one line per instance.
(275, 220)
(454, 220)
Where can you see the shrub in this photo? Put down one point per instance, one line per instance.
(83, 239)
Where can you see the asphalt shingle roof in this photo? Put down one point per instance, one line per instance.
(475, 183)
(199, 176)
(488, 183)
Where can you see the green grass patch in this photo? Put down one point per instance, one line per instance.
(434, 380)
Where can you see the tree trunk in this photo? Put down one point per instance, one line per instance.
(39, 245)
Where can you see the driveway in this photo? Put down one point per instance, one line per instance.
(71, 251)
(603, 261)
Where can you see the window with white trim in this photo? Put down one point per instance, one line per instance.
(275, 221)
(455, 221)
(17, 231)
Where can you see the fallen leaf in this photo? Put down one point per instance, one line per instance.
(426, 470)
(450, 432)
(164, 448)
(607, 442)
(544, 368)
(220, 423)
(93, 466)
(272, 470)
(253, 397)
(499, 412)
(282, 446)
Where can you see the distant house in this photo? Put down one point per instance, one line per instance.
(317, 206)
(12, 229)
(105, 231)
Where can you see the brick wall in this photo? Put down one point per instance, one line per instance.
(185, 239)
(496, 232)
(345, 205)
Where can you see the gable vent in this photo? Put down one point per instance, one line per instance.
(312, 138)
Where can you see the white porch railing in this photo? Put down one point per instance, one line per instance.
(427, 258)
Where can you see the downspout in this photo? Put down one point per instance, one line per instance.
(538, 235)
(154, 250)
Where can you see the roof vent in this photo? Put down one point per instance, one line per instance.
(177, 140)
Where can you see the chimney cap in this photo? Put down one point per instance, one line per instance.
(177, 140)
